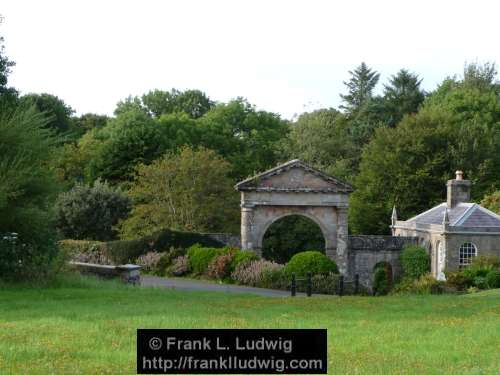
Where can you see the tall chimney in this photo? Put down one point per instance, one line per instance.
(458, 190)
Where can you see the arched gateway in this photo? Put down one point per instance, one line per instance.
(295, 188)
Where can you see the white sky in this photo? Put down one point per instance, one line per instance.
(283, 56)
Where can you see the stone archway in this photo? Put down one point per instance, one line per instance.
(295, 188)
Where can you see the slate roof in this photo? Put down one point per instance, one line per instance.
(252, 182)
(462, 215)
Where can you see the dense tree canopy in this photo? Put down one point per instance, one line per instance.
(244, 136)
(179, 153)
(492, 202)
(457, 128)
(322, 138)
(157, 102)
(188, 191)
(57, 112)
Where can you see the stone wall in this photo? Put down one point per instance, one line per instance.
(366, 251)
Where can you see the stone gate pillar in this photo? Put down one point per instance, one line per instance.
(248, 242)
(342, 256)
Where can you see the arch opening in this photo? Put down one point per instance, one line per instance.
(382, 278)
(289, 235)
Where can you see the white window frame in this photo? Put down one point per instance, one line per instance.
(466, 252)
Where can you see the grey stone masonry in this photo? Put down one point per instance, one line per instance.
(366, 251)
(458, 190)
(295, 188)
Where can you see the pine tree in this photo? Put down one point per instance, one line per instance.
(360, 86)
(401, 96)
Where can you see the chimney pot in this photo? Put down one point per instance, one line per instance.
(459, 175)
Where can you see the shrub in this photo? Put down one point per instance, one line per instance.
(200, 257)
(458, 280)
(124, 251)
(415, 261)
(480, 282)
(325, 284)
(483, 261)
(311, 261)
(425, 284)
(168, 257)
(180, 266)
(25, 261)
(166, 239)
(380, 284)
(149, 261)
(274, 278)
(219, 267)
(241, 257)
(252, 273)
(85, 251)
(493, 279)
(91, 212)
(472, 272)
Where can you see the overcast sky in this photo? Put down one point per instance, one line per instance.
(283, 56)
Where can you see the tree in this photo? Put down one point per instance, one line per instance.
(406, 166)
(322, 139)
(480, 76)
(247, 138)
(91, 212)
(129, 139)
(57, 112)
(8, 95)
(401, 96)
(360, 88)
(458, 127)
(27, 191)
(89, 121)
(188, 191)
(492, 202)
(192, 102)
(157, 103)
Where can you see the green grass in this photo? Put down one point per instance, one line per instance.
(85, 326)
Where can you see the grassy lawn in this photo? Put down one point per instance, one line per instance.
(85, 326)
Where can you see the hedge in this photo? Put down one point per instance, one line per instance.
(126, 251)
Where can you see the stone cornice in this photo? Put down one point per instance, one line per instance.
(251, 184)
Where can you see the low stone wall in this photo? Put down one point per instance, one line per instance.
(128, 273)
(227, 239)
(366, 251)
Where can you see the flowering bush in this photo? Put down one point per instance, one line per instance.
(85, 251)
(149, 261)
(252, 273)
(241, 257)
(219, 267)
(180, 266)
(200, 257)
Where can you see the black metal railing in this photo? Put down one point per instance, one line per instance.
(340, 290)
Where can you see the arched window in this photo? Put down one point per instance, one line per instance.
(467, 251)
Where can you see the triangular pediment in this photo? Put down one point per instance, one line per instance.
(294, 176)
